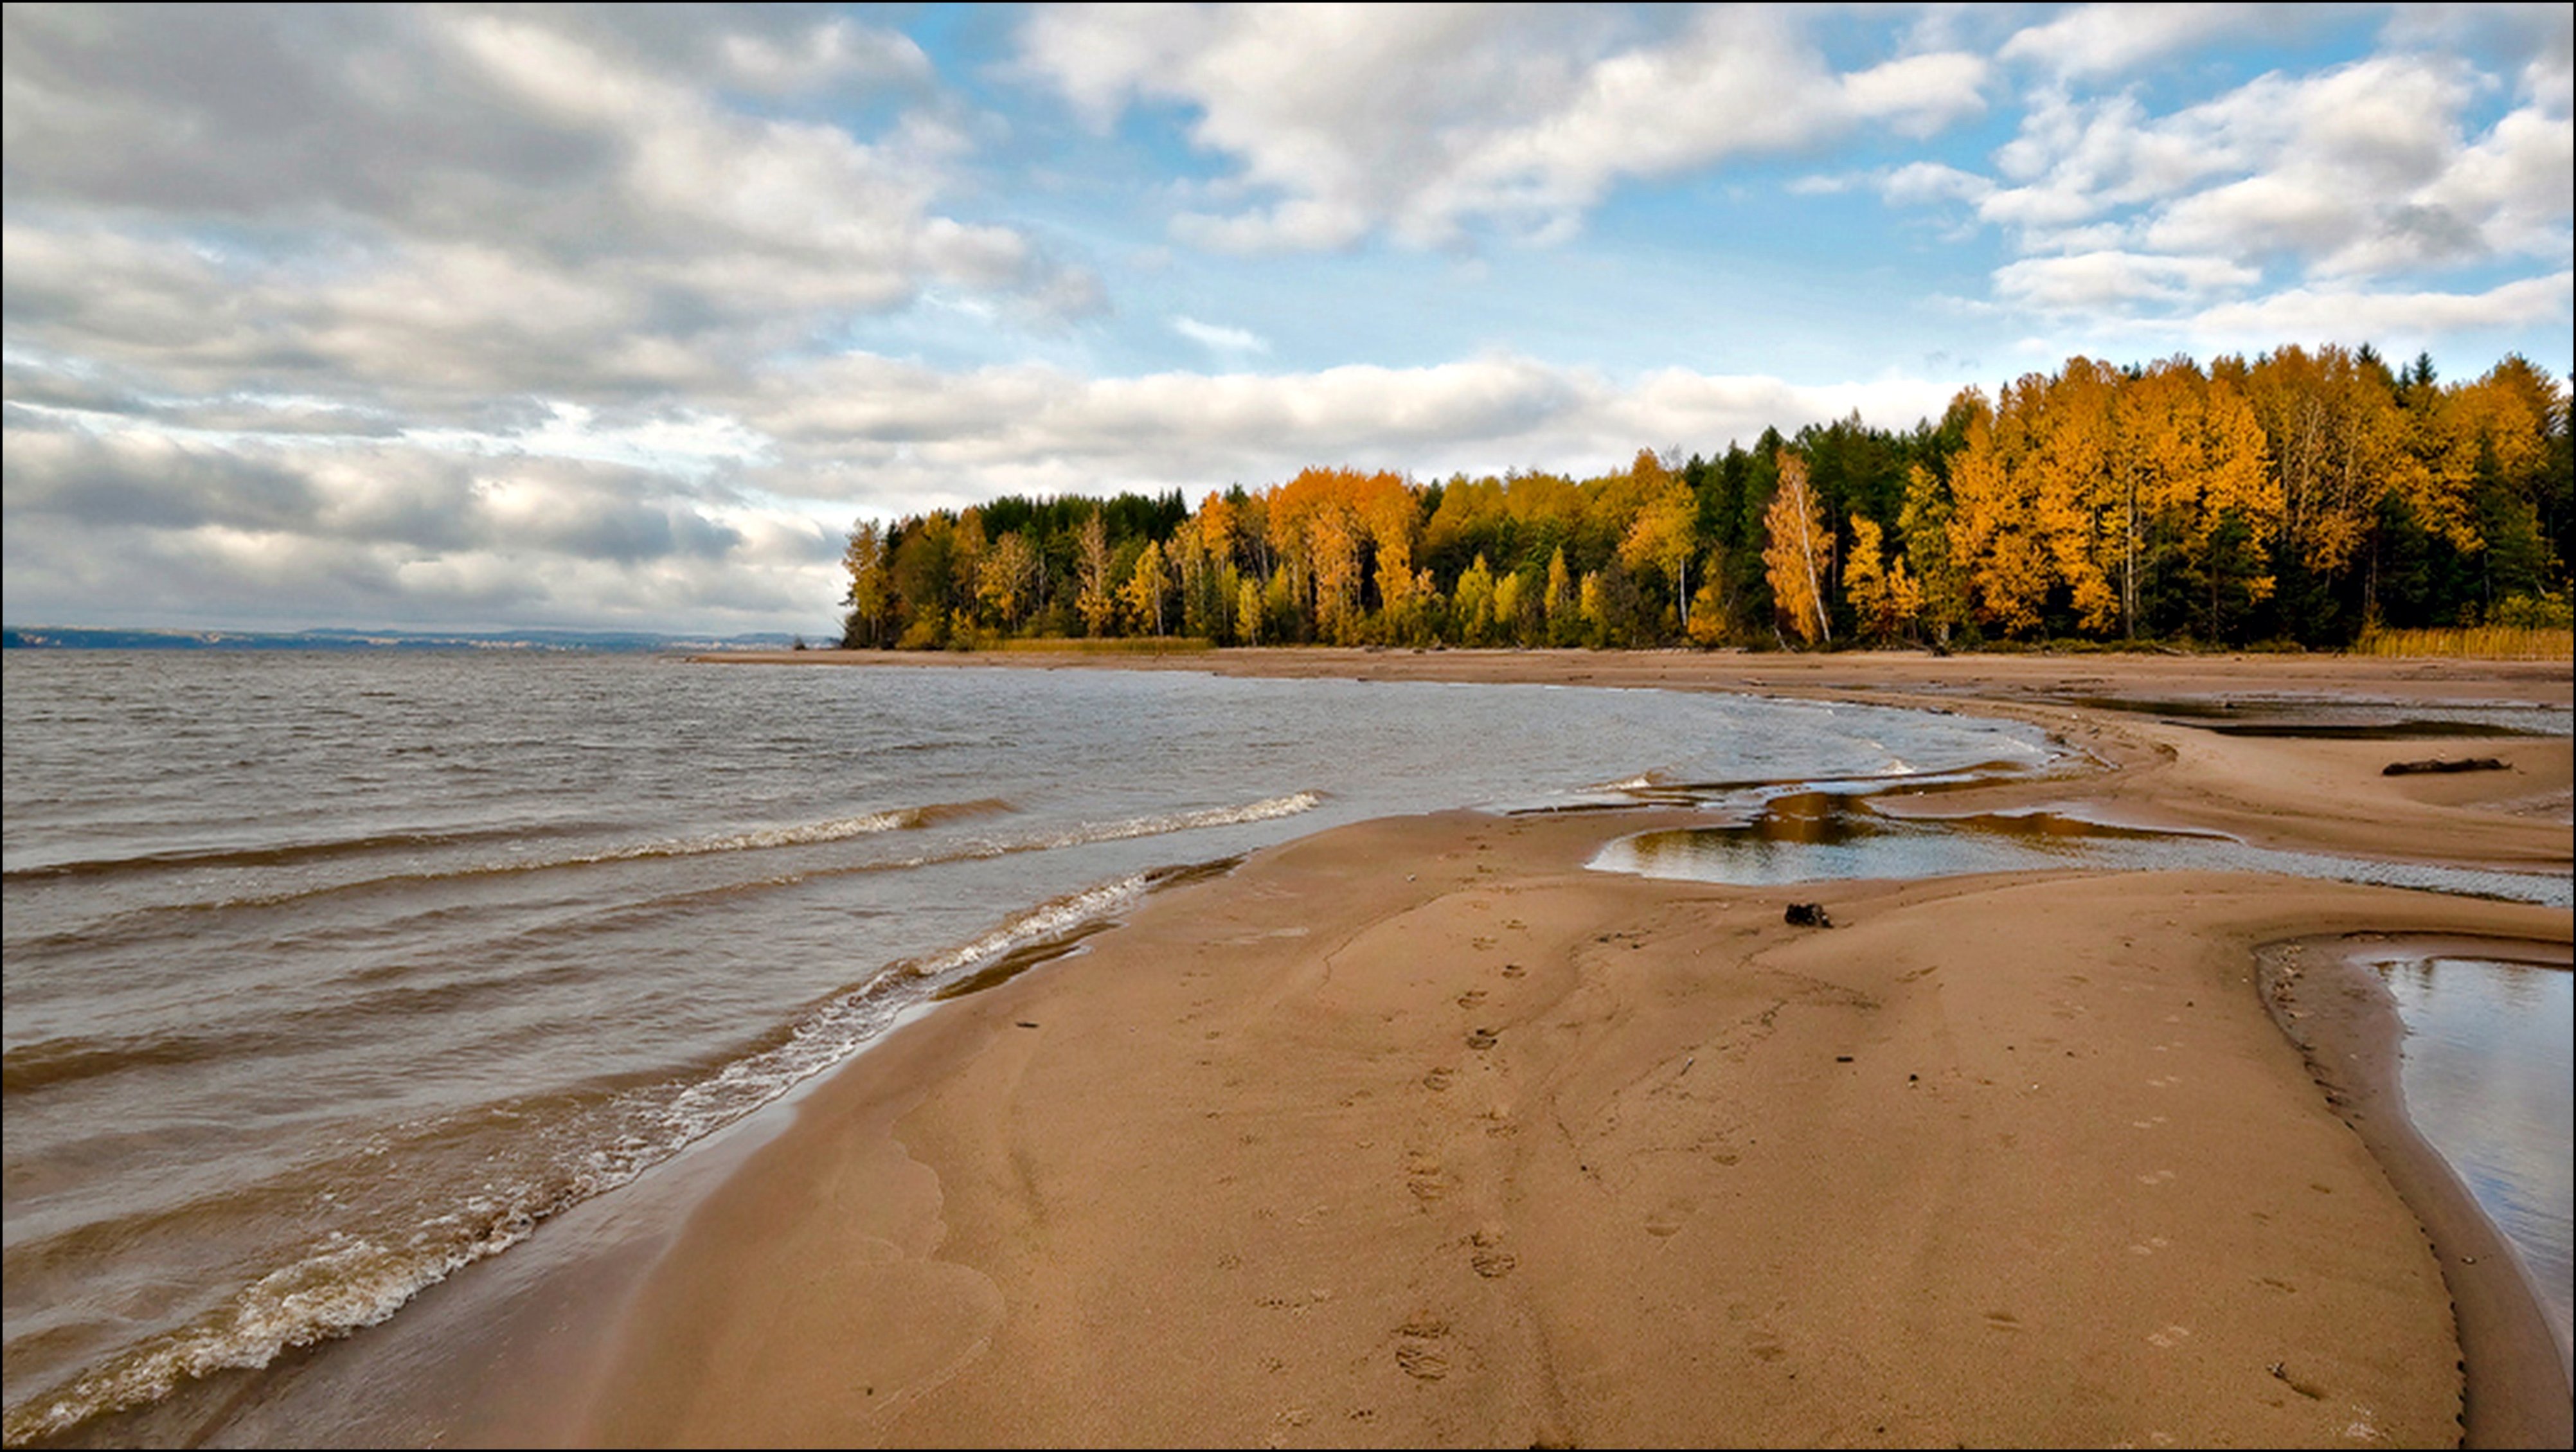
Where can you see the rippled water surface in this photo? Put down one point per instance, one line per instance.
(328, 974)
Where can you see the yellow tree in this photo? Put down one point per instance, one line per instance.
(1510, 605)
(2067, 475)
(871, 596)
(1388, 508)
(1247, 611)
(1883, 597)
(1562, 609)
(1795, 557)
(1007, 579)
(1098, 605)
(1664, 536)
(1475, 603)
(1147, 582)
(1217, 521)
(1993, 537)
(2337, 442)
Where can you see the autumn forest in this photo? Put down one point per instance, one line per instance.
(2305, 496)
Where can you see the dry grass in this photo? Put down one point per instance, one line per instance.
(2482, 642)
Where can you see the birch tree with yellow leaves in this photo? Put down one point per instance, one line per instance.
(1798, 553)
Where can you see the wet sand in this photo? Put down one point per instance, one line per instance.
(1419, 1132)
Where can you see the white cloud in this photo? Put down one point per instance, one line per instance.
(456, 203)
(1428, 121)
(2112, 281)
(2356, 316)
(891, 437)
(1218, 339)
(2095, 40)
(2362, 172)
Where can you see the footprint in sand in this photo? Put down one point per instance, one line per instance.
(1422, 1176)
(1417, 1351)
(2002, 1321)
(1483, 1038)
(1669, 1220)
(1437, 1081)
(1487, 1256)
(1513, 970)
(1471, 998)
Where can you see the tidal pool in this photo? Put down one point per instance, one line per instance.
(2489, 1072)
(1818, 836)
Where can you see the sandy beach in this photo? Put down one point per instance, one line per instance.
(1419, 1131)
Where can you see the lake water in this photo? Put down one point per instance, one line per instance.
(329, 974)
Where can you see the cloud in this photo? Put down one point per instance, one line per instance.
(1430, 122)
(466, 202)
(150, 526)
(2111, 281)
(1218, 339)
(2356, 316)
(2093, 40)
(703, 518)
(891, 437)
(2349, 183)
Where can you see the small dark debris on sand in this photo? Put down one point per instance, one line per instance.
(2437, 764)
(1808, 915)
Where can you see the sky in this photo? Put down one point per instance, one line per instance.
(476, 317)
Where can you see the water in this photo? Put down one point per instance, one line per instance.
(2489, 1072)
(1814, 835)
(329, 974)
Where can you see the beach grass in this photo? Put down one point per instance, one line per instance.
(2482, 642)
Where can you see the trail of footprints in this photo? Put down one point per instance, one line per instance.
(1421, 1343)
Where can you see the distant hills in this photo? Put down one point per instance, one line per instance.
(621, 641)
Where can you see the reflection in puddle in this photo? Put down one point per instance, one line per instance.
(2488, 1063)
(2339, 718)
(1809, 836)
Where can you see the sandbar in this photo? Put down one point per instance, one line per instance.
(1418, 1132)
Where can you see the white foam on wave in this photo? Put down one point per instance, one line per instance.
(1267, 809)
(346, 1285)
(349, 1283)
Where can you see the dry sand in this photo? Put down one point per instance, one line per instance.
(1419, 1132)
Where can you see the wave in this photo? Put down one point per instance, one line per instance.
(347, 1283)
(793, 834)
(355, 1279)
(48, 1062)
(284, 854)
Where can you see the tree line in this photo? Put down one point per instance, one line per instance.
(2305, 495)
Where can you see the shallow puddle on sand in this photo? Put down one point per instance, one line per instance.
(1821, 836)
(2489, 1070)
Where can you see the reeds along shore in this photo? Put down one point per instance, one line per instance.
(1418, 1132)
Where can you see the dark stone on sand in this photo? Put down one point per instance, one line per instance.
(1808, 915)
